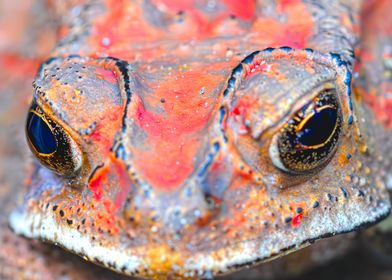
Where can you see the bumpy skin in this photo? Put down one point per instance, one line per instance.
(175, 112)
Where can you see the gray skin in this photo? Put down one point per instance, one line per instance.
(346, 205)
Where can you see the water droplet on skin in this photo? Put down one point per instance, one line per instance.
(106, 41)
(229, 53)
(154, 229)
(197, 213)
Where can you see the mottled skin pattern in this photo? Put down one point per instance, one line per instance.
(175, 131)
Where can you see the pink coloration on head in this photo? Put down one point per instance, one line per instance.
(243, 9)
(103, 192)
(283, 5)
(381, 105)
(19, 66)
(108, 75)
(242, 111)
(295, 33)
(97, 182)
(177, 131)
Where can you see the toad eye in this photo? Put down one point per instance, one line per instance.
(309, 140)
(51, 143)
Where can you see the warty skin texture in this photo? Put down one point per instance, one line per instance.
(177, 178)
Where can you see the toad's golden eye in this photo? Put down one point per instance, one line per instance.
(310, 138)
(51, 144)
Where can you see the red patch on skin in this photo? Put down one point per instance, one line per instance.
(241, 112)
(244, 9)
(217, 166)
(106, 126)
(283, 5)
(96, 136)
(172, 139)
(18, 65)
(257, 66)
(112, 178)
(296, 222)
(117, 170)
(175, 5)
(124, 183)
(299, 211)
(97, 183)
(235, 222)
(294, 33)
(107, 75)
(105, 29)
(380, 105)
(243, 105)
(174, 128)
(113, 37)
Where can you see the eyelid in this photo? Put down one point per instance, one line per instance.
(274, 154)
(258, 132)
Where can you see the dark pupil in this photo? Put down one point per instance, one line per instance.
(318, 128)
(40, 134)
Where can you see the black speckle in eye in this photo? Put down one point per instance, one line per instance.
(318, 128)
(40, 135)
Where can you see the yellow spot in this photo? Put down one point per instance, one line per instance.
(363, 148)
(183, 67)
(161, 259)
(343, 159)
